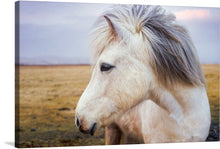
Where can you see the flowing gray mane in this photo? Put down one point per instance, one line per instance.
(172, 53)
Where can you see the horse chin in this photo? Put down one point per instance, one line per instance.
(112, 118)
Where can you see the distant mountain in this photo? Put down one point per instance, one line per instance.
(73, 61)
(54, 60)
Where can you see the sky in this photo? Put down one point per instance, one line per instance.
(58, 33)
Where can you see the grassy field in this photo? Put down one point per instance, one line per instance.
(48, 97)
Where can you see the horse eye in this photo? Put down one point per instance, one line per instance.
(106, 67)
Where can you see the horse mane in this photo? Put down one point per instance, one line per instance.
(173, 57)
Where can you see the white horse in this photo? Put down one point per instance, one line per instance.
(147, 81)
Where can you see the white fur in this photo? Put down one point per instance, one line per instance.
(132, 95)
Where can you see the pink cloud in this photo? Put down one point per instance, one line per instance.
(192, 14)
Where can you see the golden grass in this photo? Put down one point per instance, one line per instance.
(211, 73)
(48, 97)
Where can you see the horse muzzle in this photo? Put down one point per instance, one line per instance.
(81, 127)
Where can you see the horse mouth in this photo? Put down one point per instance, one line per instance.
(90, 131)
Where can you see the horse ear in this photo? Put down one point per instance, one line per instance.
(117, 29)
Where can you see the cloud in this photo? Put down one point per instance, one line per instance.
(46, 14)
(192, 14)
(46, 20)
(57, 30)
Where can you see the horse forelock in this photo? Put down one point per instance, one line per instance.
(173, 57)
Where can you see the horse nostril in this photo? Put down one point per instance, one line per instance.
(77, 122)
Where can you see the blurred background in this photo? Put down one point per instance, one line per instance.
(57, 33)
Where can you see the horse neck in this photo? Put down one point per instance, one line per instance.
(182, 102)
